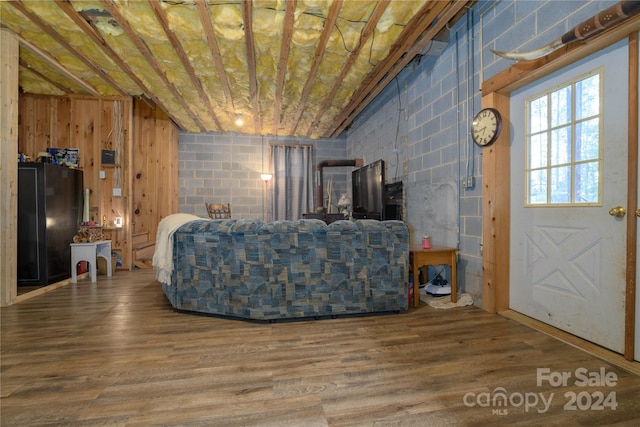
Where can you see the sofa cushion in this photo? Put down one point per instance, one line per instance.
(247, 225)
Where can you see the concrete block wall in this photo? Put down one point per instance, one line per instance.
(226, 168)
(435, 99)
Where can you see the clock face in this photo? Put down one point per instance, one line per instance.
(486, 127)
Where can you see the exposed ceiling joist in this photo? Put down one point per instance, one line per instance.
(177, 47)
(27, 67)
(247, 15)
(214, 49)
(353, 56)
(99, 41)
(432, 18)
(322, 45)
(146, 53)
(55, 64)
(291, 67)
(282, 62)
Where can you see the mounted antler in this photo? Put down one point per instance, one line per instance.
(608, 17)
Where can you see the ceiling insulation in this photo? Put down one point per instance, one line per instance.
(304, 68)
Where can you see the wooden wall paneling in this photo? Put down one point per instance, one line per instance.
(113, 206)
(153, 145)
(34, 132)
(496, 200)
(172, 156)
(84, 122)
(42, 125)
(162, 171)
(9, 109)
(127, 185)
(166, 170)
(144, 130)
(149, 162)
(85, 117)
(25, 135)
(107, 200)
(61, 122)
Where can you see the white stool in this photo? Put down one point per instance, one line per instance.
(89, 252)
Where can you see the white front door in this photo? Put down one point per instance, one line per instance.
(567, 265)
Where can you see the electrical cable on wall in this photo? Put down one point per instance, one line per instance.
(117, 138)
(470, 169)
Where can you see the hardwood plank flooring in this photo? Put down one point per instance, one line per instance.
(116, 353)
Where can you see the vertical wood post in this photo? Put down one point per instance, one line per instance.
(632, 202)
(8, 167)
(496, 211)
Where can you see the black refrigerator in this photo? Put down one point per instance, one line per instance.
(49, 215)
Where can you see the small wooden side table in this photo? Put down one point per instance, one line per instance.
(436, 255)
(89, 252)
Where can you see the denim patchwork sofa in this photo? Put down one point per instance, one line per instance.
(289, 269)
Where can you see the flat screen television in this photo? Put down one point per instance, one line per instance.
(367, 190)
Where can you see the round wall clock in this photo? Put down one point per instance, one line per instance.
(486, 127)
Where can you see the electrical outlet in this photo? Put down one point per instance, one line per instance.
(469, 182)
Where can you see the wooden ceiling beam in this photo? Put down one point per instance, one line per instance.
(353, 56)
(51, 32)
(54, 63)
(425, 25)
(151, 60)
(214, 49)
(177, 47)
(332, 17)
(247, 15)
(93, 34)
(27, 67)
(287, 32)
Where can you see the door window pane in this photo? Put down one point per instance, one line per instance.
(538, 115)
(560, 146)
(588, 140)
(587, 177)
(538, 157)
(561, 185)
(561, 106)
(538, 187)
(564, 144)
(588, 94)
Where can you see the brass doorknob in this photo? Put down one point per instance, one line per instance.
(618, 211)
(638, 213)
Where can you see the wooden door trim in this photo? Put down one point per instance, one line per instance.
(632, 202)
(496, 166)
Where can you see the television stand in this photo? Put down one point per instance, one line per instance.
(366, 215)
(326, 217)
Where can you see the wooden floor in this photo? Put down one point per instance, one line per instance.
(115, 353)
